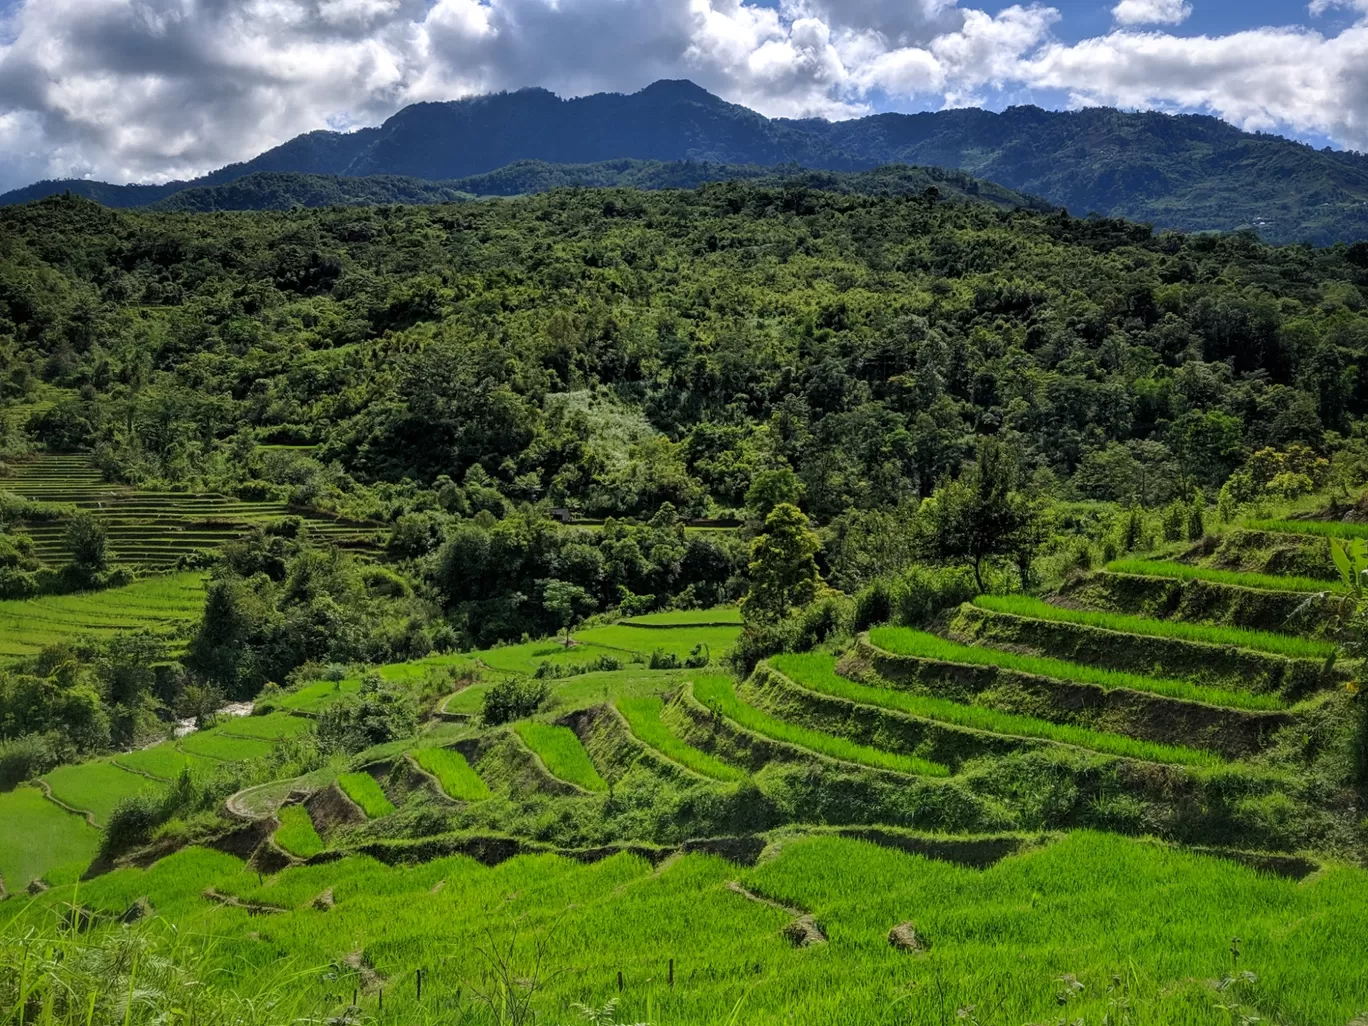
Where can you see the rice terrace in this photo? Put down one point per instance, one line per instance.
(569, 608)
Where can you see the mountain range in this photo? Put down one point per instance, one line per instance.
(1186, 172)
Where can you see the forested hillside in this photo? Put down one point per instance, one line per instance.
(1192, 173)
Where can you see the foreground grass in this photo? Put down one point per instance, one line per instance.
(452, 771)
(643, 717)
(717, 694)
(1264, 641)
(297, 834)
(1316, 528)
(362, 789)
(817, 671)
(563, 754)
(907, 641)
(1141, 927)
(1183, 572)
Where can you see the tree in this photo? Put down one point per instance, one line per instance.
(982, 514)
(567, 603)
(782, 566)
(769, 488)
(89, 544)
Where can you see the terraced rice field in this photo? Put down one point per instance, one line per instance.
(1316, 528)
(923, 645)
(1075, 929)
(643, 718)
(1187, 572)
(817, 671)
(718, 694)
(1288, 645)
(362, 789)
(453, 773)
(564, 756)
(97, 787)
(40, 840)
(297, 834)
(154, 530)
(166, 605)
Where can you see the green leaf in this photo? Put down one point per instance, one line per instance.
(1342, 564)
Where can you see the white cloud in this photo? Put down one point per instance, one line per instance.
(153, 89)
(1154, 12)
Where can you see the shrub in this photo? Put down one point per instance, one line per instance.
(24, 758)
(918, 594)
(512, 698)
(379, 712)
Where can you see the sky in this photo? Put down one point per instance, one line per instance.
(153, 90)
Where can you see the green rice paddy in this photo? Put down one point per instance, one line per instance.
(1077, 930)
(561, 751)
(452, 771)
(1265, 641)
(167, 605)
(273, 727)
(296, 833)
(643, 717)
(1316, 528)
(1184, 572)
(152, 530)
(214, 744)
(41, 840)
(165, 761)
(718, 694)
(817, 671)
(687, 617)
(920, 644)
(362, 789)
(97, 787)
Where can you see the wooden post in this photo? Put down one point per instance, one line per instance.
(382, 1000)
(619, 981)
(356, 994)
(672, 972)
(418, 979)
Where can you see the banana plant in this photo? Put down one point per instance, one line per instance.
(1351, 561)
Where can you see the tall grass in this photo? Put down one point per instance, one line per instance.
(453, 772)
(296, 833)
(1183, 572)
(717, 694)
(362, 789)
(1144, 928)
(1316, 528)
(643, 717)
(817, 671)
(1264, 641)
(907, 641)
(563, 754)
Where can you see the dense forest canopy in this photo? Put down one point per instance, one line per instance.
(611, 350)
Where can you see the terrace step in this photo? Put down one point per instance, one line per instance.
(1232, 733)
(1198, 601)
(1216, 665)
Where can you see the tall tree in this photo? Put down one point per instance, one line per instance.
(783, 570)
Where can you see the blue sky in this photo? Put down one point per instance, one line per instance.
(149, 90)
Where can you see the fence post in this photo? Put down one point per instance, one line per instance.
(619, 981)
(672, 972)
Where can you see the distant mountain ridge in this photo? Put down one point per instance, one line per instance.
(283, 190)
(1190, 172)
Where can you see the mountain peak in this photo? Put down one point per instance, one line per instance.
(680, 89)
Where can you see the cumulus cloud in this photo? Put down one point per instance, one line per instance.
(153, 89)
(1154, 12)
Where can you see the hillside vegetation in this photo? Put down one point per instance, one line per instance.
(746, 604)
(1189, 172)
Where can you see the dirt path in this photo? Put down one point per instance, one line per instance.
(803, 930)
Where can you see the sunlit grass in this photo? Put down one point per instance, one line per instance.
(453, 772)
(362, 789)
(643, 717)
(1184, 572)
(563, 754)
(1264, 641)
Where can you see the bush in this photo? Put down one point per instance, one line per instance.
(379, 712)
(513, 698)
(919, 593)
(24, 758)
